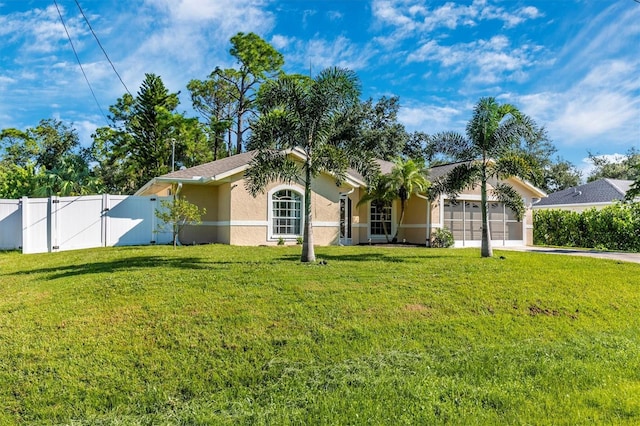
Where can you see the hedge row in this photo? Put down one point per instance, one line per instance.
(615, 227)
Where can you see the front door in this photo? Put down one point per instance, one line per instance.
(345, 221)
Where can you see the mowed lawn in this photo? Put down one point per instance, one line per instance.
(376, 336)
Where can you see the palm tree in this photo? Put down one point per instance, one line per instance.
(299, 112)
(407, 178)
(490, 146)
(380, 194)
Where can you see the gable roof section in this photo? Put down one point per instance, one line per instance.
(444, 169)
(385, 169)
(214, 170)
(219, 170)
(597, 192)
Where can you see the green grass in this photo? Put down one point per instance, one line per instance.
(380, 336)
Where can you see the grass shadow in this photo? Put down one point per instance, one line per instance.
(391, 256)
(129, 263)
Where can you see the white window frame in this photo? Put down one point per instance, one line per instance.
(272, 236)
(391, 230)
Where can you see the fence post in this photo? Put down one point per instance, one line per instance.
(154, 205)
(24, 207)
(104, 220)
(54, 229)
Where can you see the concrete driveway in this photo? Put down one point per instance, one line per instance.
(619, 256)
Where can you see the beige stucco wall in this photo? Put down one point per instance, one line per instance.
(199, 234)
(414, 225)
(203, 196)
(244, 218)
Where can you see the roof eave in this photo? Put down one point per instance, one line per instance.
(565, 205)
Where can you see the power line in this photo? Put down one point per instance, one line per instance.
(100, 44)
(79, 63)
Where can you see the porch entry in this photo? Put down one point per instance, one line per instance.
(345, 220)
(464, 219)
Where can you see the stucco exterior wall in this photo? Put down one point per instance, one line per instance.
(414, 225)
(203, 196)
(246, 222)
(248, 235)
(199, 234)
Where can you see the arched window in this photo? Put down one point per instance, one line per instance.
(286, 213)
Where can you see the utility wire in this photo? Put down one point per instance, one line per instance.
(100, 44)
(79, 63)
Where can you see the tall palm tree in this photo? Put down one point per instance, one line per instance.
(302, 112)
(490, 146)
(407, 177)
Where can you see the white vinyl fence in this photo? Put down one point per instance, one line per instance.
(40, 225)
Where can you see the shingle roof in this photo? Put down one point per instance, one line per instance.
(385, 169)
(442, 170)
(228, 164)
(599, 191)
(219, 168)
(214, 168)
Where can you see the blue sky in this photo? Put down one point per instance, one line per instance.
(572, 65)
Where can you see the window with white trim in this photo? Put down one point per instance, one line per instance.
(379, 219)
(286, 208)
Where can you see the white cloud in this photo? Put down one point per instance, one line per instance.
(279, 41)
(335, 15)
(321, 53)
(6, 80)
(603, 106)
(431, 118)
(410, 19)
(596, 114)
(602, 37)
(40, 30)
(229, 17)
(485, 61)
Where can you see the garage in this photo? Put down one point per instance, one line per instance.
(464, 219)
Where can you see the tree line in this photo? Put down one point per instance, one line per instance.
(147, 136)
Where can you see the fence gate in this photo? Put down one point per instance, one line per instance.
(70, 223)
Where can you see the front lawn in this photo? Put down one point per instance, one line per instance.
(383, 336)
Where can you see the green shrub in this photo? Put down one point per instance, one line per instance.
(280, 241)
(442, 238)
(615, 227)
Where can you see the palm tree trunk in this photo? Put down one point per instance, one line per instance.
(402, 209)
(486, 250)
(308, 253)
(384, 228)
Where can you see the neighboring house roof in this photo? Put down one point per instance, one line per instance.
(596, 192)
